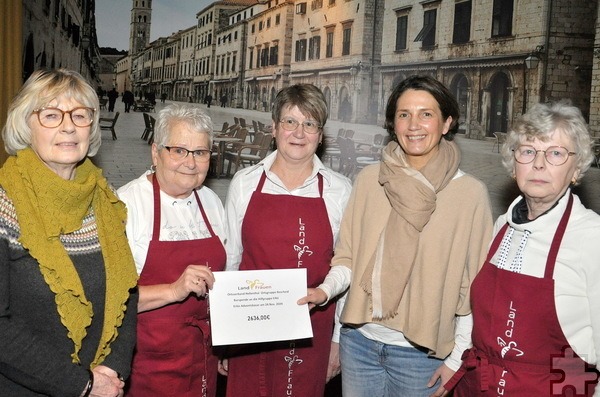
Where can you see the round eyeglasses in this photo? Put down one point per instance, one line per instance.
(290, 124)
(53, 117)
(179, 153)
(555, 155)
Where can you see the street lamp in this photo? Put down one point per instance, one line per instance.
(532, 61)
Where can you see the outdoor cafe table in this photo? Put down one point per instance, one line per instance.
(222, 141)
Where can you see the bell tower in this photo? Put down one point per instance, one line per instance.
(139, 33)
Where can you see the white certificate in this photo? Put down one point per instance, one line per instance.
(250, 306)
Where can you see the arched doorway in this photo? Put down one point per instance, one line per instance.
(345, 105)
(273, 95)
(327, 95)
(460, 89)
(499, 97)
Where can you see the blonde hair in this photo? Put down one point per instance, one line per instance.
(41, 88)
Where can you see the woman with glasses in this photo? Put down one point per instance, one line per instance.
(536, 301)
(67, 277)
(413, 237)
(288, 194)
(176, 230)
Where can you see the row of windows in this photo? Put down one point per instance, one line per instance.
(502, 15)
(168, 52)
(240, 16)
(227, 64)
(69, 28)
(227, 38)
(204, 19)
(204, 40)
(314, 45)
(265, 56)
(265, 24)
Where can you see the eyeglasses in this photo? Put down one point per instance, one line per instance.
(179, 153)
(290, 124)
(53, 117)
(555, 155)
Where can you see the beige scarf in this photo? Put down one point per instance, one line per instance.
(412, 195)
(48, 206)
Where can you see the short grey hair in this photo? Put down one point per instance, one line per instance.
(540, 122)
(41, 88)
(191, 115)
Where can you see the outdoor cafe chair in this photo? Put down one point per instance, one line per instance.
(249, 154)
(108, 123)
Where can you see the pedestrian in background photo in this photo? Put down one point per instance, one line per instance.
(112, 96)
(536, 301)
(128, 100)
(176, 229)
(264, 206)
(67, 276)
(414, 234)
(208, 100)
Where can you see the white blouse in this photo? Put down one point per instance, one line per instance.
(576, 273)
(181, 219)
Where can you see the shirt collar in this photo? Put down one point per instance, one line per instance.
(318, 168)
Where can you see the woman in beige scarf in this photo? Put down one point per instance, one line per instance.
(413, 236)
(67, 314)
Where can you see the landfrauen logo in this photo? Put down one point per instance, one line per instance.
(302, 248)
(255, 285)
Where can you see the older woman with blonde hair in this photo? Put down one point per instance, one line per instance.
(67, 306)
(176, 229)
(536, 301)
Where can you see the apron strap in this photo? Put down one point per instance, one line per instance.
(156, 225)
(206, 222)
(496, 242)
(558, 236)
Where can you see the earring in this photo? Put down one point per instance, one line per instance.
(153, 168)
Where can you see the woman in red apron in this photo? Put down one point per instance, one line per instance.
(179, 249)
(533, 302)
(284, 213)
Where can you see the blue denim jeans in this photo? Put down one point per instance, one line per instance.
(374, 369)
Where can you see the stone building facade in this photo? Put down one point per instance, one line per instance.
(497, 56)
(184, 80)
(60, 34)
(483, 50)
(122, 74)
(268, 55)
(595, 86)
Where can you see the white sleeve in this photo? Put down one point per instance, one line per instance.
(462, 341)
(337, 325)
(336, 281)
(236, 205)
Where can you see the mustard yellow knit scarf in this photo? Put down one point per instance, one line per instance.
(48, 206)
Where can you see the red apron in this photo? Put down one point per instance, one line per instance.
(173, 353)
(519, 346)
(282, 232)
